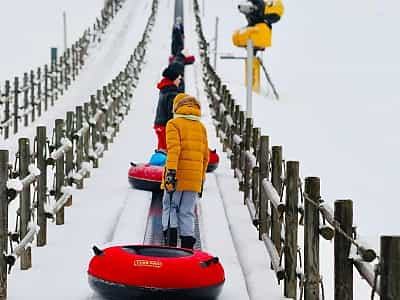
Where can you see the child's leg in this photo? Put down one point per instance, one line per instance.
(169, 211)
(160, 132)
(186, 213)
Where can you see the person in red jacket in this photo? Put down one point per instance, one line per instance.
(168, 87)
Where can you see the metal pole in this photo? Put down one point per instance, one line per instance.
(216, 43)
(249, 80)
(65, 30)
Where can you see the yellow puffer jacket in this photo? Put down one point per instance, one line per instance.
(187, 145)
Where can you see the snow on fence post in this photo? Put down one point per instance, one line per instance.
(39, 91)
(343, 263)
(311, 238)
(6, 127)
(46, 87)
(25, 200)
(276, 179)
(41, 138)
(390, 267)
(264, 173)
(32, 95)
(3, 222)
(69, 154)
(16, 104)
(291, 228)
(59, 134)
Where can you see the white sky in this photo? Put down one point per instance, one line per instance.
(335, 70)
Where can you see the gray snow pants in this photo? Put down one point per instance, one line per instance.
(179, 211)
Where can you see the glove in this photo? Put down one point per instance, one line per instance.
(170, 180)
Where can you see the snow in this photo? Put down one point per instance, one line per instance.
(334, 65)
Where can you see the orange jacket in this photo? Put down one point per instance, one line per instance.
(187, 145)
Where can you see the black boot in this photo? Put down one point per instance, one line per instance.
(187, 242)
(171, 237)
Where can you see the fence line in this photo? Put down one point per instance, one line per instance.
(73, 148)
(272, 189)
(28, 97)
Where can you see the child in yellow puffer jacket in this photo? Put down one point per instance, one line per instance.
(186, 165)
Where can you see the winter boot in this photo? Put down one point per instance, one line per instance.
(172, 235)
(187, 242)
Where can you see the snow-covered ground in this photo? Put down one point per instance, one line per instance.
(335, 69)
(109, 211)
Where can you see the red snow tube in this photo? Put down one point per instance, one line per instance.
(145, 177)
(213, 160)
(155, 272)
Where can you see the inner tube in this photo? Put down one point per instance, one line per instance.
(155, 272)
(145, 177)
(148, 176)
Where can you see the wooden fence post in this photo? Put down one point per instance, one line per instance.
(7, 109)
(26, 98)
(16, 104)
(343, 264)
(276, 177)
(390, 267)
(41, 185)
(69, 155)
(32, 94)
(25, 200)
(86, 137)
(53, 83)
(46, 87)
(235, 156)
(311, 239)
(291, 221)
(264, 173)
(39, 91)
(59, 128)
(79, 139)
(3, 222)
(242, 157)
(247, 171)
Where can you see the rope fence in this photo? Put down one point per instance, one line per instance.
(46, 179)
(279, 201)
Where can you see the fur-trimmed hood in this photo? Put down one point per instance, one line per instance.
(187, 105)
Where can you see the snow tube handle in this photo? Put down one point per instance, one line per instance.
(97, 251)
(209, 262)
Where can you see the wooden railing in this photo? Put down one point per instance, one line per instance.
(278, 200)
(73, 149)
(23, 100)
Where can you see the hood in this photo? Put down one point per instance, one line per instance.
(164, 83)
(187, 106)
